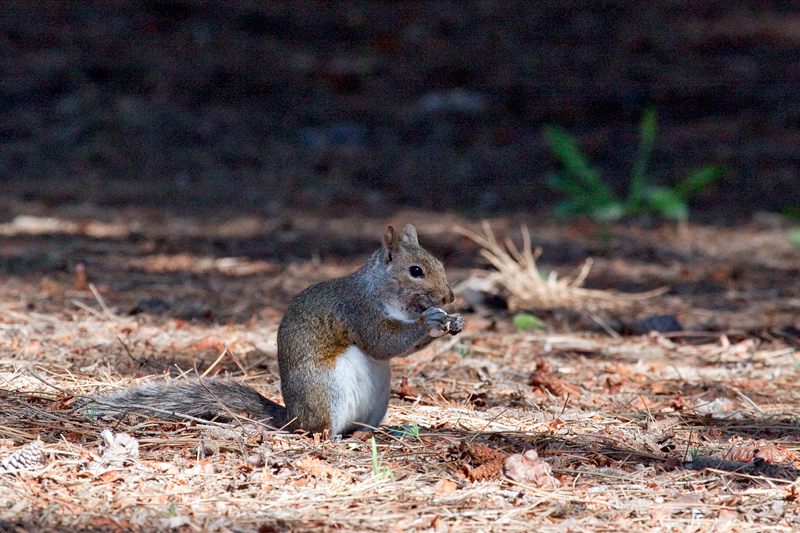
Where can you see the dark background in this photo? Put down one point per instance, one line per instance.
(366, 107)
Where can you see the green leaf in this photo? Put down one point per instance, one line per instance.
(566, 185)
(699, 179)
(667, 203)
(647, 137)
(567, 208)
(527, 322)
(376, 463)
(647, 126)
(569, 153)
(609, 212)
(794, 237)
(580, 182)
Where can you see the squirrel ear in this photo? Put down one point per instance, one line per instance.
(389, 244)
(409, 235)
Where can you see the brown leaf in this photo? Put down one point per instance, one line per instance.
(33, 348)
(677, 403)
(643, 403)
(547, 381)
(613, 384)
(108, 524)
(363, 436)
(212, 343)
(528, 468)
(321, 469)
(406, 391)
(767, 451)
(80, 283)
(725, 521)
(772, 453)
(111, 475)
(445, 487)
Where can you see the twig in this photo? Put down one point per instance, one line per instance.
(233, 415)
(102, 303)
(218, 359)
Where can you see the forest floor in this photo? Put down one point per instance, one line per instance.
(593, 423)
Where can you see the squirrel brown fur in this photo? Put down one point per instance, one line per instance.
(334, 346)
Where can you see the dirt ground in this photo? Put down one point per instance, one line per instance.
(633, 430)
(174, 172)
(360, 107)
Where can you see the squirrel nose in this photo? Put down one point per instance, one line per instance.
(449, 297)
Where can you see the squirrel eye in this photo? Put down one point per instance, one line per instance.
(416, 272)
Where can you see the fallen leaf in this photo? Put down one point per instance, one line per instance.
(445, 487)
(528, 468)
(80, 283)
(363, 436)
(557, 386)
(725, 520)
(405, 390)
(212, 343)
(111, 475)
(33, 348)
(321, 469)
(613, 384)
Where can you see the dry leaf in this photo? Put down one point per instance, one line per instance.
(405, 390)
(110, 475)
(80, 283)
(528, 468)
(212, 343)
(725, 521)
(445, 487)
(363, 436)
(556, 386)
(321, 469)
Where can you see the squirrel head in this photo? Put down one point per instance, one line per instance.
(415, 279)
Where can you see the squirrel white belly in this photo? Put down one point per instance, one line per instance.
(334, 346)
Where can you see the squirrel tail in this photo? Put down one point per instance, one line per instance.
(169, 401)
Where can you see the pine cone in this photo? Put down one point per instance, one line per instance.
(26, 457)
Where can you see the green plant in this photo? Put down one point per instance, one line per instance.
(91, 411)
(380, 472)
(527, 322)
(411, 430)
(794, 237)
(587, 194)
(462, 348)
(694, 453)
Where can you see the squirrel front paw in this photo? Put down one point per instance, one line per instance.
(440, 323)
(455, 324)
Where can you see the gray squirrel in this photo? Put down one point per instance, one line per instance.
(334, 346)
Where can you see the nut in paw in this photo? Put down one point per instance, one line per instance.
(436, 319)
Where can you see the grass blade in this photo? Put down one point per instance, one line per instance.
(647, 136)
(699, 179)
(569, 153)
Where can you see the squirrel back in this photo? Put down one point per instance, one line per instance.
(334, 345)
